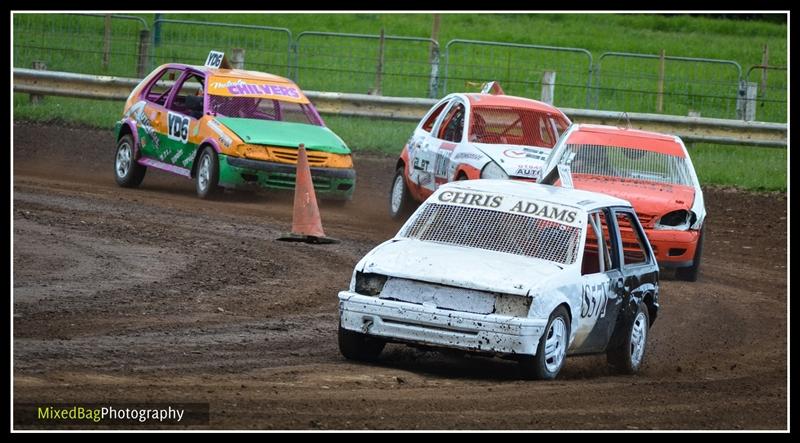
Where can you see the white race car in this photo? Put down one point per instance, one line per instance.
(511, 269)
(472, 136)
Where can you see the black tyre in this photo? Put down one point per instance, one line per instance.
(627, 354)
(690, 273)
(207, 176)
(552, 350)
(360, 347)
(400, 201)
(127, 171)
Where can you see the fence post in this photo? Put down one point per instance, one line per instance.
(433, 88)
(237, 58)
(379, 70)
(157, 31)
(765, 63)
(40, 66)
(548, 86)
(660, 97)
(746, 102)
(143, 56)
(106, 41)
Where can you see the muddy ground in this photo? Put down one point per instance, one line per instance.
(150, 294)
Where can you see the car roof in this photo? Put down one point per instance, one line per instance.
(627, 138)
(584, 200)
(477, 99)
(234, 73)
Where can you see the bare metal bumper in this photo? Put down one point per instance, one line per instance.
(409, 322)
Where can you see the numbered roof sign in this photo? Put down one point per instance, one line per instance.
(214, 59)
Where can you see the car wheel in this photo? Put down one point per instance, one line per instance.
(127, 171)
(552, 349)
(461, 176)
(690, 273)
(356, 346)
(207, 177)
(400, 201)
(627, 357)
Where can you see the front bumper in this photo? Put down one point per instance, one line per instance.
(673, 249)
(414, 323)
(330, 183)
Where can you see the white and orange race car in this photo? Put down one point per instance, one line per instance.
(652, 171)
(474, 135)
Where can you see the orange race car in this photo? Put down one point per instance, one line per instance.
(474, 135)
(653, 172)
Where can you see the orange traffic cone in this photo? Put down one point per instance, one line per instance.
(306, 223)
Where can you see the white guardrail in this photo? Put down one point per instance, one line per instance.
(690, 129)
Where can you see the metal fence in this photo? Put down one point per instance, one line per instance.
(519, 69)
(109, 44)
(667, 84)
(376, 64)
(188, 41)
(771, 99)
(121, 45)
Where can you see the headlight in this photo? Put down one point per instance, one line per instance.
(369, 284)
(493, 170)
(676, 220)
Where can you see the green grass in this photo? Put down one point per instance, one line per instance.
(758, 169)
(348, 65)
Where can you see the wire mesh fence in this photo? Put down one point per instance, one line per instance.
(187, 41)
(367, 64)
(520, 69)
(773, 91)
(667, 85)
(83, 43)
(125, 46)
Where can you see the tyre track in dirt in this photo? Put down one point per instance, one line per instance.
(154, 295)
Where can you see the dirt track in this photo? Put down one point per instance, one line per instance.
(154, 295)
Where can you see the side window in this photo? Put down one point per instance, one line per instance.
(544, 133)
(632, 243)
(189, 98)
(159, 89)
(597, 252)
(428, 125)
(453, 124)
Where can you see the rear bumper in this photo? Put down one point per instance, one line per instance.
(332, 183)
(673, 249)
(413, 323)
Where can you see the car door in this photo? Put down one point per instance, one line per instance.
(601, 283)
(449, 133)
(639, 267)
(420, 147)
(184, 109)
(150, 113)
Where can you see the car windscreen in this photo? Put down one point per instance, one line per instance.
(263, 109)
(499, 231)
(626, 163)
(516, 126)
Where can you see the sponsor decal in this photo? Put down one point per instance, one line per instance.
(468, 156)
(190, 158)
(544, 210)
(595, 299)
(471, 199)
(424, 179)
(442, 162)
(536, 154)
(223, 137)
(252, 88)
(527, 170)
(177, 127)
(175, 157)
(420, 164)
(137, 112)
